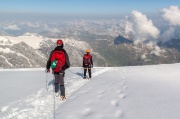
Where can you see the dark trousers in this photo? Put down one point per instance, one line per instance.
(89, 71)
(59, 79)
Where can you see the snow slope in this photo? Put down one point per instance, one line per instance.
(140, 92)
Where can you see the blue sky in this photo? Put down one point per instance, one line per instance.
(84, 6)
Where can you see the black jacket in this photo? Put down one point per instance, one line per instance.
(67, 63)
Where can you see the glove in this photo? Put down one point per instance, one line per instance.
(91, 66)
(47, 70)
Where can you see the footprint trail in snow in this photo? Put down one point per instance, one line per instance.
(41, 104)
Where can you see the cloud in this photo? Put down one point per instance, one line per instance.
(12, 27)
(55, 30)
(30, 24)
(157, 51)
(140, 28)
(168, 34)
(172, 15)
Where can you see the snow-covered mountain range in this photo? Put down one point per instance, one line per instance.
(32, 50)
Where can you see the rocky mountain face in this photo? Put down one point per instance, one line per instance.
(25, 56)
(121, 39)
(20, 55)
(173, 43)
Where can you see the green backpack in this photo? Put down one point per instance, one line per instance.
(53, 64)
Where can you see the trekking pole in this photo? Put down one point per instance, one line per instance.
(46, 82)
(54, 100)
(46, 79)
(92, 70)
(82, 72)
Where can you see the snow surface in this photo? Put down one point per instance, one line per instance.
(139, 92)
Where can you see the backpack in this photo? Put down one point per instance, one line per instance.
(87, 60)
(58, 60)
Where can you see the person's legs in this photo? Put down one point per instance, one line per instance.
(61, 81)
(85, 70)
(89, 71)
(56, 82)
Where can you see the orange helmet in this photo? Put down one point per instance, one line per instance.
(88, 50)
(59, 42)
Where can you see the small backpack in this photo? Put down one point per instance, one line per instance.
(58, 60)
(87, 60)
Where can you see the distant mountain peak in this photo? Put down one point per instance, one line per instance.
(121, 39)
(4, 40)
(32, 34)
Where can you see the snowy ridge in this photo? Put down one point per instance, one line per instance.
(19, 54)
(22, 69)
(105, 93)
(4, 41)
(78, 44)
(32, 34)
(7, 61)
(112, 93)
(6, 50)
(40, 104)
(32, 41)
